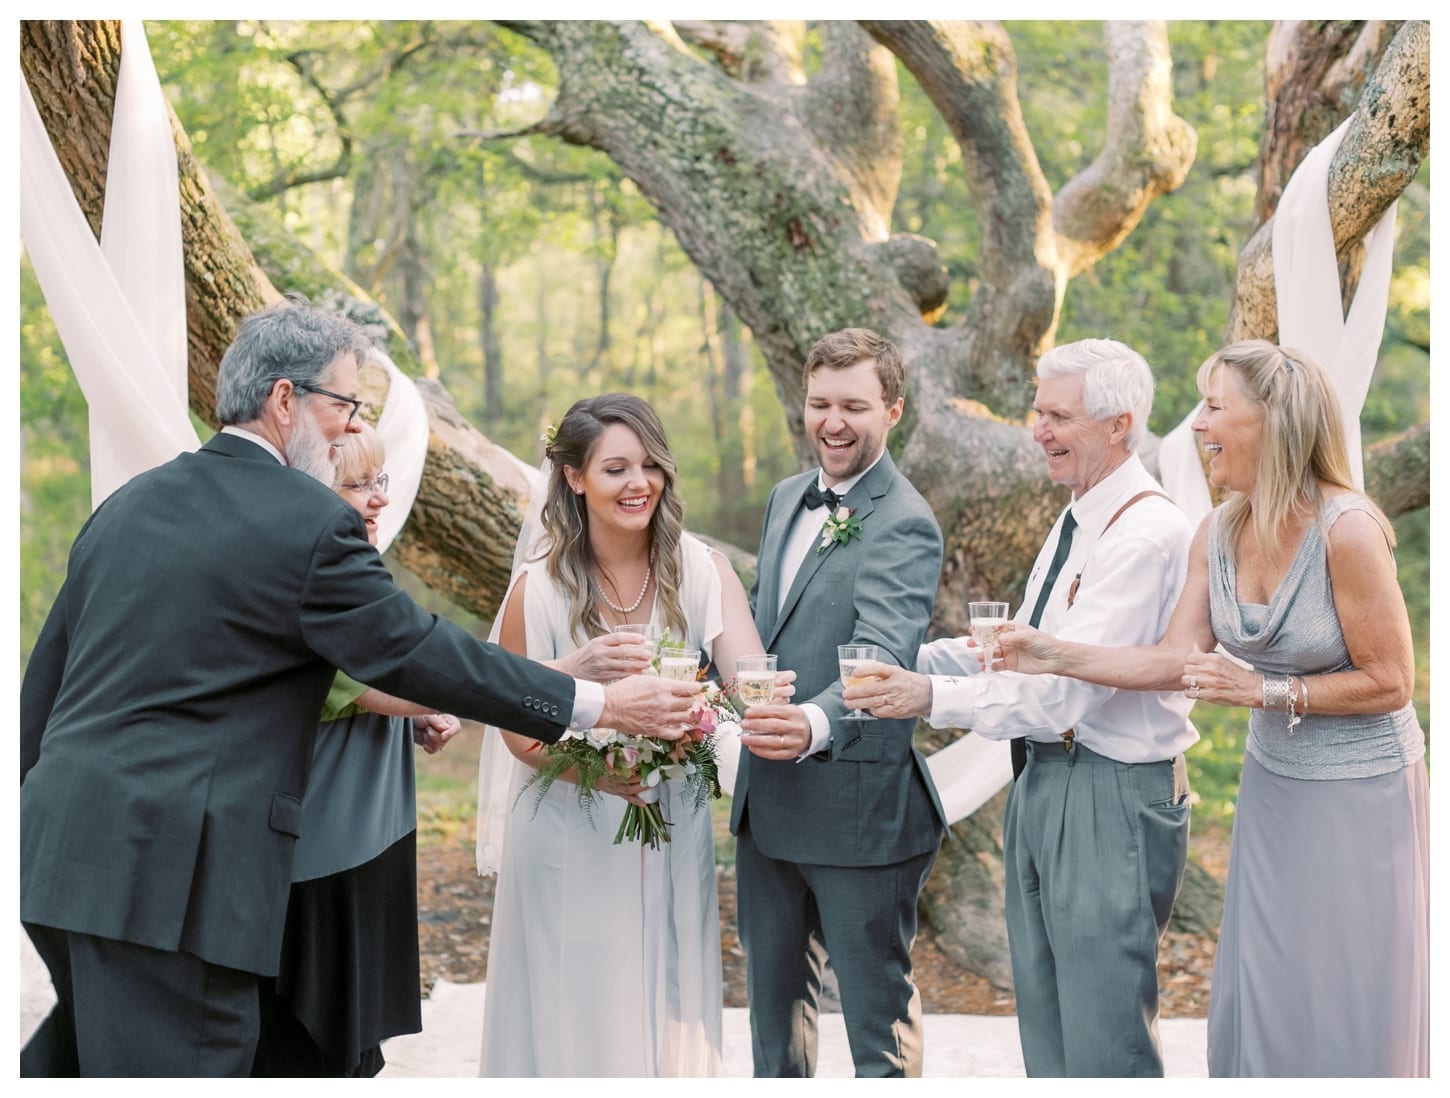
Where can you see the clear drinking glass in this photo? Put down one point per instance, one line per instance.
(680, 663)
(755, 679)
(987, 619)
(852, 656)
(648, 630)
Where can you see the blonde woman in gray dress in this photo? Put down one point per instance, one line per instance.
(1323, 956)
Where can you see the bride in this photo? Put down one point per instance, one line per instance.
(605, 960)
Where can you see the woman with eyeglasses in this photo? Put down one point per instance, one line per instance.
(349, 969)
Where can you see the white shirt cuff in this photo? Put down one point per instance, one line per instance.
(588, 704)
(820, 730)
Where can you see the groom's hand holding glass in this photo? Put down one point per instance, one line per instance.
(772, 729)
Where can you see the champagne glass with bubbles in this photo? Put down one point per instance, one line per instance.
(987, 619)
(755, 679)
(850, 657)
(680, 663)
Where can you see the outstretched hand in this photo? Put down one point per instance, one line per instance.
(647, 705)
(890, 691)
(604, 659)
(1028, 650)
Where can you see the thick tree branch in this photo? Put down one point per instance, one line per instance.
(969, 71)
(767, 52)
(1381, 152)
(1147, 152)
(1397, 471)
(1314, 74)
(851, 106)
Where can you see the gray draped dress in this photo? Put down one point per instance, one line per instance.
(1323, 955)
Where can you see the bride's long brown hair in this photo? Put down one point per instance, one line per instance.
(565, 516)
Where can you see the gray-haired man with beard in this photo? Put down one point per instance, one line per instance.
(1096, 828)
(169, 708)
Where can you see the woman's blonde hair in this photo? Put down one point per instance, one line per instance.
(357, 455)
(565, 516)
(1302, 444)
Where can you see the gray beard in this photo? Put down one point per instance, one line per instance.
(309, 452)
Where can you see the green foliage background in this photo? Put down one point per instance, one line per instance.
(592, 294)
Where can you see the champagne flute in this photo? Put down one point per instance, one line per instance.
(648, 630)
(987, 619)
(682, 664)
(755, 679)
(850, 657)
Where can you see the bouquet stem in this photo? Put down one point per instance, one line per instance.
(643, 823)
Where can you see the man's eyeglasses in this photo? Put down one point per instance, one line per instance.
(353, 401)
(378, 484)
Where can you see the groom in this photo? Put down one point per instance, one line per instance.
(836, 820)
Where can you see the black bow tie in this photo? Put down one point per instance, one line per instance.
(815, 497)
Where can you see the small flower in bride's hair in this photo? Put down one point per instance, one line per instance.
(550, 434)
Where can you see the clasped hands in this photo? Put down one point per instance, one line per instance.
(432, 731)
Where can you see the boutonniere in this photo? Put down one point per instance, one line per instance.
(840, 527)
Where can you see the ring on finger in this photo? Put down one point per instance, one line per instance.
(1192, 690)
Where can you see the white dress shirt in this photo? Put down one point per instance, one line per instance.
(588, 696)
(805, 532)
(1129, 578)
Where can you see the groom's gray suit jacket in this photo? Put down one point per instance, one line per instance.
(868, 800)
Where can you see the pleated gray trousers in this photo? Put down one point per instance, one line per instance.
(1094, 852)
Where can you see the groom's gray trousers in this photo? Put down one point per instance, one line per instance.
(864, 918)
(1094, 852)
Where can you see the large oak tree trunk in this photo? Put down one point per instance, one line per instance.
(780, 189)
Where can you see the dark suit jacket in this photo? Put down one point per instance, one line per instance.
(169, 707)
(868, 800)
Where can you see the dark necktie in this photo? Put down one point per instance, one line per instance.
(815, 497)
(1059, 558)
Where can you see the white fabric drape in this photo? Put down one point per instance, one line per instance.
(120, 306)
(1311, 317)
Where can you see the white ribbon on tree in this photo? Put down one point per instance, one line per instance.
(120, 306)
(1311, 317)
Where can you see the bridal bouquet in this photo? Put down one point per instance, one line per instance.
(597, 753)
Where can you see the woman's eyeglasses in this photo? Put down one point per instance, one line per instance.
(378, 484)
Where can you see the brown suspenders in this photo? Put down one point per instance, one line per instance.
(1072, 591)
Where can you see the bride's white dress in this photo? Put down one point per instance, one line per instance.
(604, 959)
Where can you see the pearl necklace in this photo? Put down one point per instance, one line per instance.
(632, 607)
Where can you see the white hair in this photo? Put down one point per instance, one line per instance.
(1115, 379)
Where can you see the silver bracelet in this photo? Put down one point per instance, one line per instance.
(1279, 694)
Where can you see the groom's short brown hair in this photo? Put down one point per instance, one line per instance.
(842, 350)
